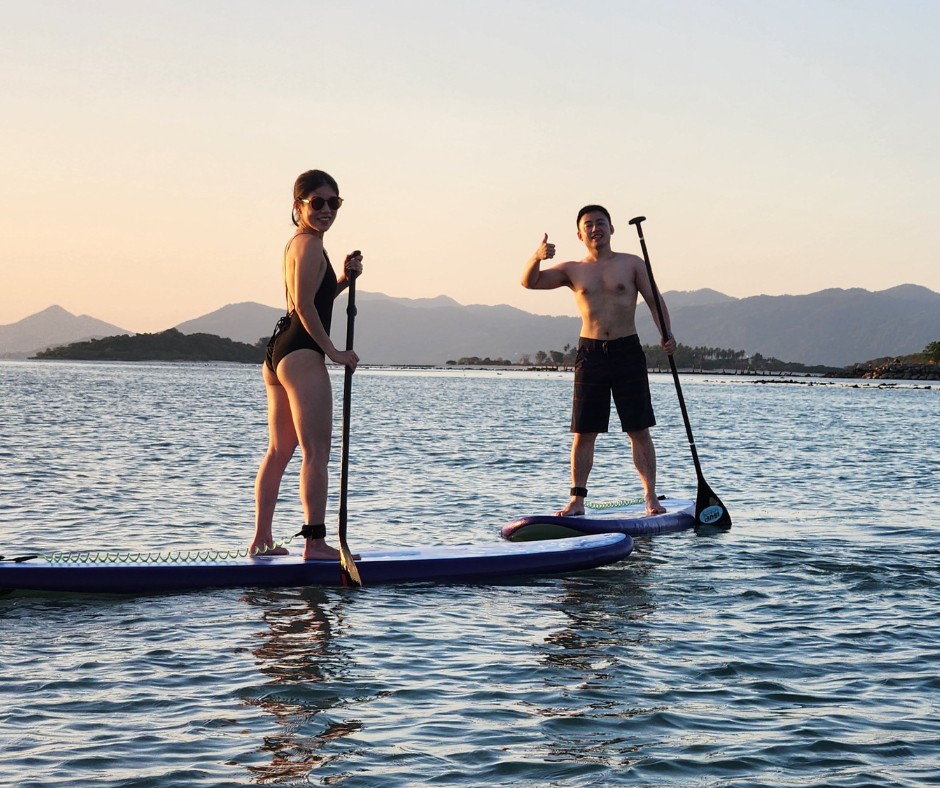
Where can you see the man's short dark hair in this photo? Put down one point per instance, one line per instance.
(592, 209)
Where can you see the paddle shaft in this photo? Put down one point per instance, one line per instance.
(709, 510)
(662, 329)
(348, 568)
(347, 409)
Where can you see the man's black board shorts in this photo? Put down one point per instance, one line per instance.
(605, 367)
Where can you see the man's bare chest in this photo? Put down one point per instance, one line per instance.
(614, 282)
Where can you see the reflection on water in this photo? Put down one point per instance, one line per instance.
(303, 664)
(590, 659)
(601, 612)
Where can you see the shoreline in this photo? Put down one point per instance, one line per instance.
(805, 378)
(890, 371)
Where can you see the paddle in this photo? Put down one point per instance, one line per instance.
(350, 574)
(710, 512)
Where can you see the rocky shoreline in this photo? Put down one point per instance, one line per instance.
(895, 370)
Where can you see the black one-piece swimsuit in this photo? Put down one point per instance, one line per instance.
(290, 335)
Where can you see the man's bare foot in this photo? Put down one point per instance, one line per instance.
(258, 548)
(319, 550)
(653, 506)
(575, 508)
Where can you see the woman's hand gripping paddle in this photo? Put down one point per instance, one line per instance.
(350, 574)
(710, 512)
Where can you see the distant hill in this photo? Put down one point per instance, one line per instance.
(704, 297)
(169, 345)
(51, 327)
(834, 327)
(410, 330)
(244, 322)
(249, 321)
(831, 327)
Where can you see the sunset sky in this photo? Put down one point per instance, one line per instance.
(149, 149)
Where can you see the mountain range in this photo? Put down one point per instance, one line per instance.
(834, 327)
(49, 328)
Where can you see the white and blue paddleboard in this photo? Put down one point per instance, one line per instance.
(479, 563)
(624, 517)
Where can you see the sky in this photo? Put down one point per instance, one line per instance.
(149, 149)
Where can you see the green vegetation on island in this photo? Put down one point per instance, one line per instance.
(169, 345)
(172, 345)
(931, 353)
(697, 359)
(923, 365)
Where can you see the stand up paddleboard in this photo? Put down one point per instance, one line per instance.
(480, 563)
(625, 517)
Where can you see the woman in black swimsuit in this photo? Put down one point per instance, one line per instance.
(300, 401)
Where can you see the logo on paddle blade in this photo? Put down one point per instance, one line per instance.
(711, 514)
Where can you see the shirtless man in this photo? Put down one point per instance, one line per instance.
(610, 358)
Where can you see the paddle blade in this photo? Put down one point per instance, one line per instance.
(710, 513)
(347, 567)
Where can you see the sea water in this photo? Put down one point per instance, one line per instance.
(800, 648)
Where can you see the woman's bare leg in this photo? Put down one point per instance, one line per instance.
(282, 440)
(306, 381)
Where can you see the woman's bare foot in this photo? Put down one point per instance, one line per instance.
(261, 548)
(575, 508)
(653, 506)
(319, 550)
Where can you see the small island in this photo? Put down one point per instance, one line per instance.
(729, 361)
(173, 345)
(169, 345)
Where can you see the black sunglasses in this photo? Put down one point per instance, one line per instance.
(318, 202)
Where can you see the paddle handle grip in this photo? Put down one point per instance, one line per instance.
(638, 223)
(351, 305)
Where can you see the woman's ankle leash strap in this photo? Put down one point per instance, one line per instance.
(313, 531)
